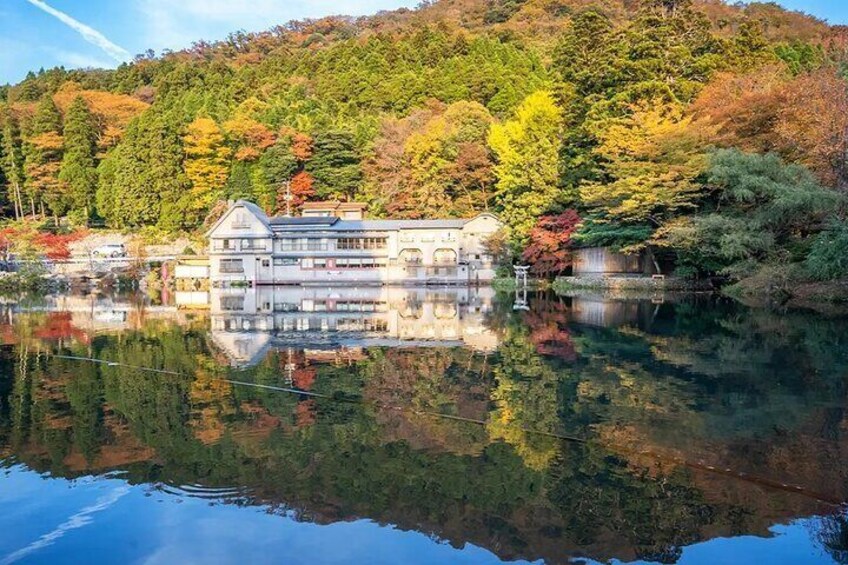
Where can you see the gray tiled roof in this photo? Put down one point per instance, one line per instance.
(307, 221)
(370, 225)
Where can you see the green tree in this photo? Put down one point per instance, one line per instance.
(335, 165)
(142, 180)
(828, 257)
(652, 159)
(762, 209)
(527, 150)
(13, 162)
(78, 172)
(43, 156)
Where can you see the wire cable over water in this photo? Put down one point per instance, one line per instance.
(698, 466)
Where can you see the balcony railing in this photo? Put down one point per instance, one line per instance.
(304, 247)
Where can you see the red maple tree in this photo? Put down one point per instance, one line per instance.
(549, 250)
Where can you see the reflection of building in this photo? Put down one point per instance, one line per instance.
(607, 313)
(245, 246)
(245, 322)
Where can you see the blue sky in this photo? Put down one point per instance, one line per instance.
(98, 33)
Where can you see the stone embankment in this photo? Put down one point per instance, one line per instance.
(630, 283)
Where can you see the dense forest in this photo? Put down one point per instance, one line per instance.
(714, 134)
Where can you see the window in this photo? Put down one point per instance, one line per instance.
(347, 243)
(228, 244)
(320, 263)
(411, 256)
(284, 261)
(374, 243)
(232, 303)
(232, 266)
(302, 244)
(240, 221)
(306, 263)
(252, 245)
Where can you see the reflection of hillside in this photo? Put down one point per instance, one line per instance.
(442, 439)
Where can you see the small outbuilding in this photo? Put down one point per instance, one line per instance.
(602, 262)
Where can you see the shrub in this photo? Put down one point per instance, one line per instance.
(828, 257)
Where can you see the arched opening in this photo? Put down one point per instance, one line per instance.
(444, 256)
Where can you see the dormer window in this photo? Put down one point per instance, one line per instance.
(240, 220)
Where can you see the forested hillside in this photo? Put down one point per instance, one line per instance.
(715, 134)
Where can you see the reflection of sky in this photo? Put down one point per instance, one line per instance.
(134, 525)
(154, 527)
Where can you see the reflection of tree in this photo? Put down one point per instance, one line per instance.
(832, 534)
(211, 402)
(412, 385)
(374, 445)
(525, 398)
(548, 323)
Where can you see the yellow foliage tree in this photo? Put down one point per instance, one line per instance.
(527, 151)
(653, 156)
(206, 166)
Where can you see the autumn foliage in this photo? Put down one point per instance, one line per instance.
(23, 240)
(549, 250)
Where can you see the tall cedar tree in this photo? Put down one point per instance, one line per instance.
(13, 163)
(78, 173)
(43, 156)
(335, 165)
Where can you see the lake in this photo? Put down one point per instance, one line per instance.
(380, 425)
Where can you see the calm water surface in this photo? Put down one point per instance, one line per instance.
(418, 426)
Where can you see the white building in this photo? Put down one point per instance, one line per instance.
(248, 248)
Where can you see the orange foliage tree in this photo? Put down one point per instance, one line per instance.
(549, 250)
(111, 112)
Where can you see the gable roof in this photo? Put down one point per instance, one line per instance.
(249, 206)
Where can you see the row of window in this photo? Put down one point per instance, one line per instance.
(246, 245)
(406, 237)
(361, 243)
(235, 266)
(310, 324)
(307, 244)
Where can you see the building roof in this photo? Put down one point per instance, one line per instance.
(333, 205)
(303, 221)
(334, 224)
(338, 225)
(250, 206)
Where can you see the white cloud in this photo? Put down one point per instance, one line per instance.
(75, 60)
(176, 25)
(82, 518)
(88, 33)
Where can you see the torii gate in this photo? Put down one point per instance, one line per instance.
(521, 287)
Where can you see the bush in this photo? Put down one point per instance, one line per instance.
(828, 257)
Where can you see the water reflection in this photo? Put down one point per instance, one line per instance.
(246, 322)
(580, 427)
